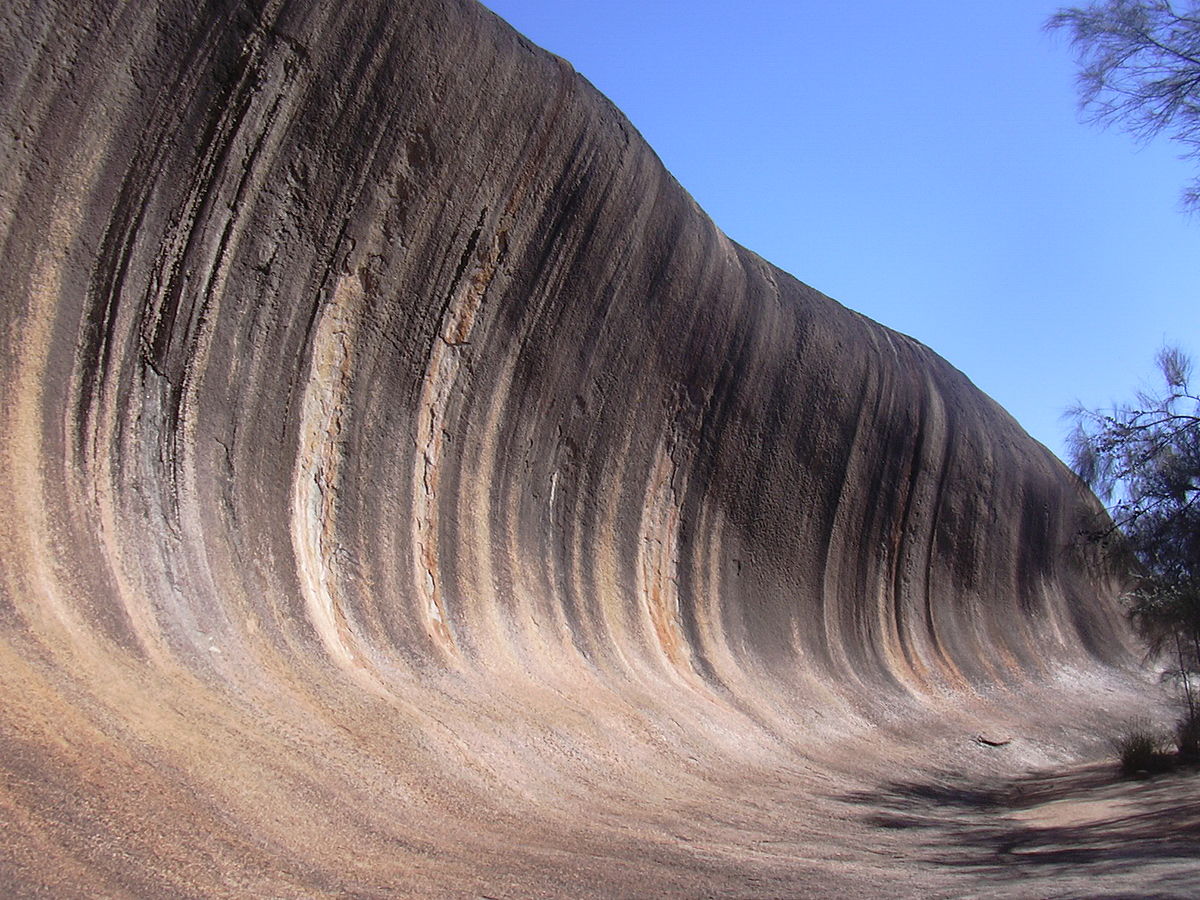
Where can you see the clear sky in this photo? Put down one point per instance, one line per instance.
(922, 162)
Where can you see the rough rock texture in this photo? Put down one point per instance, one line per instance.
(407, 489)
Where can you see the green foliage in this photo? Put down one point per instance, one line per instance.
(1144, 459)
(1166, 613)
(1141, 747)
(1187, 737)
(1139, 67)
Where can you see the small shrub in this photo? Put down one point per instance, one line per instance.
(1187, 736)
(1141, 748)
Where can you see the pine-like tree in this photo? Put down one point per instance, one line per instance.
(1139, 68)
(1143, 458)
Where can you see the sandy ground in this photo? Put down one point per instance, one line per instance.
(1079, 831)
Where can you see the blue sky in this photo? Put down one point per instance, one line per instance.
(921, 162)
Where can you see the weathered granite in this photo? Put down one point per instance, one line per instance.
(408, 489)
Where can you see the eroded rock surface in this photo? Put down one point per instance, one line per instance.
(407, 489)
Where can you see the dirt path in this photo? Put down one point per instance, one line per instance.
(1084, 831)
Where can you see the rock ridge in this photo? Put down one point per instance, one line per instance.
(408, 487)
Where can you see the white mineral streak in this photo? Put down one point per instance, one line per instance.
(441, 373)
(658, 560)
(26, 527)
(318, 461)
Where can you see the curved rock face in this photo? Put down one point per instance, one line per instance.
(407, 488)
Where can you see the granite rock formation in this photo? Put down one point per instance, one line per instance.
(406, 488)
